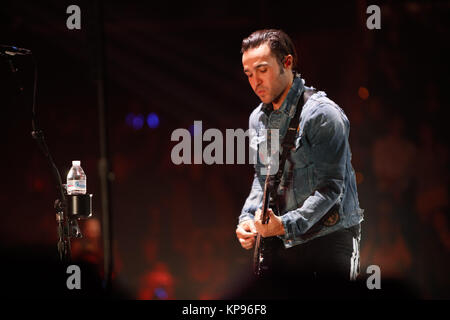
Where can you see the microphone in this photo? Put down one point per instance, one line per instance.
(13, 50)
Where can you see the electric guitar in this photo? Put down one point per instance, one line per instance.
(259, 265)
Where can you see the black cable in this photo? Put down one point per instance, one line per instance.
(38, 135)
(33, 107)
(60, 207)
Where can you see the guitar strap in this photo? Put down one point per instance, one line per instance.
(288, 144)
(332, 216)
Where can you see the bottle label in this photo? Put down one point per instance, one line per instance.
(76, 186)
(80, 184)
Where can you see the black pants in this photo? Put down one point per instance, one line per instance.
(320, 268)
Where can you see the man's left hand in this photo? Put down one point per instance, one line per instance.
(273, 228)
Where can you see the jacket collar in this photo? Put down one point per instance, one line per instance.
(291, 100)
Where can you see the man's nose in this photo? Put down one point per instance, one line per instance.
(258, 81)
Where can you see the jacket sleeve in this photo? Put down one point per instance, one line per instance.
(254, 199)
(326, 132)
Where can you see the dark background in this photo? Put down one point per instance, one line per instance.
(174, 226)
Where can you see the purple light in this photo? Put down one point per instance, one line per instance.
(138, 122)
(161, 293)
(195, 130)
(129, 119)
(191, 129)
(153, 120)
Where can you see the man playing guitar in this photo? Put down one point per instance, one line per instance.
(313, 215)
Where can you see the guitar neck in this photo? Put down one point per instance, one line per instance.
(265, 200)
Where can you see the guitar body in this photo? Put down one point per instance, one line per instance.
(265, 249)
(261, 254)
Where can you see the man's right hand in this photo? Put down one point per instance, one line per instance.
(246, 233)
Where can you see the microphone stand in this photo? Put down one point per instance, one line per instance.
(81, 205)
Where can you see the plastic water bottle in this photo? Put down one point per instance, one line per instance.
(76, 179)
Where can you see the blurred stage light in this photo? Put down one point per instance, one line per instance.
(129, 119)
(153, 120)
(363, 93)
(359, 177)
(195, 130)
(138, 122)
(161, 294)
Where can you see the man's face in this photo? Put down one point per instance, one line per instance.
(264, 73)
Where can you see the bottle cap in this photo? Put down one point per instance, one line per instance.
(76, 163)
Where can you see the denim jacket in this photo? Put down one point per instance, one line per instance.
(318, 174)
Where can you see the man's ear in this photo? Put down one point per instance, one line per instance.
(288, 60)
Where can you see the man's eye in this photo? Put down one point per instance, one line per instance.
(263, 70)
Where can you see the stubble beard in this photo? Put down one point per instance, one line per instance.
(281, 91)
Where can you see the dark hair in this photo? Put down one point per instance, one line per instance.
(279, 43)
